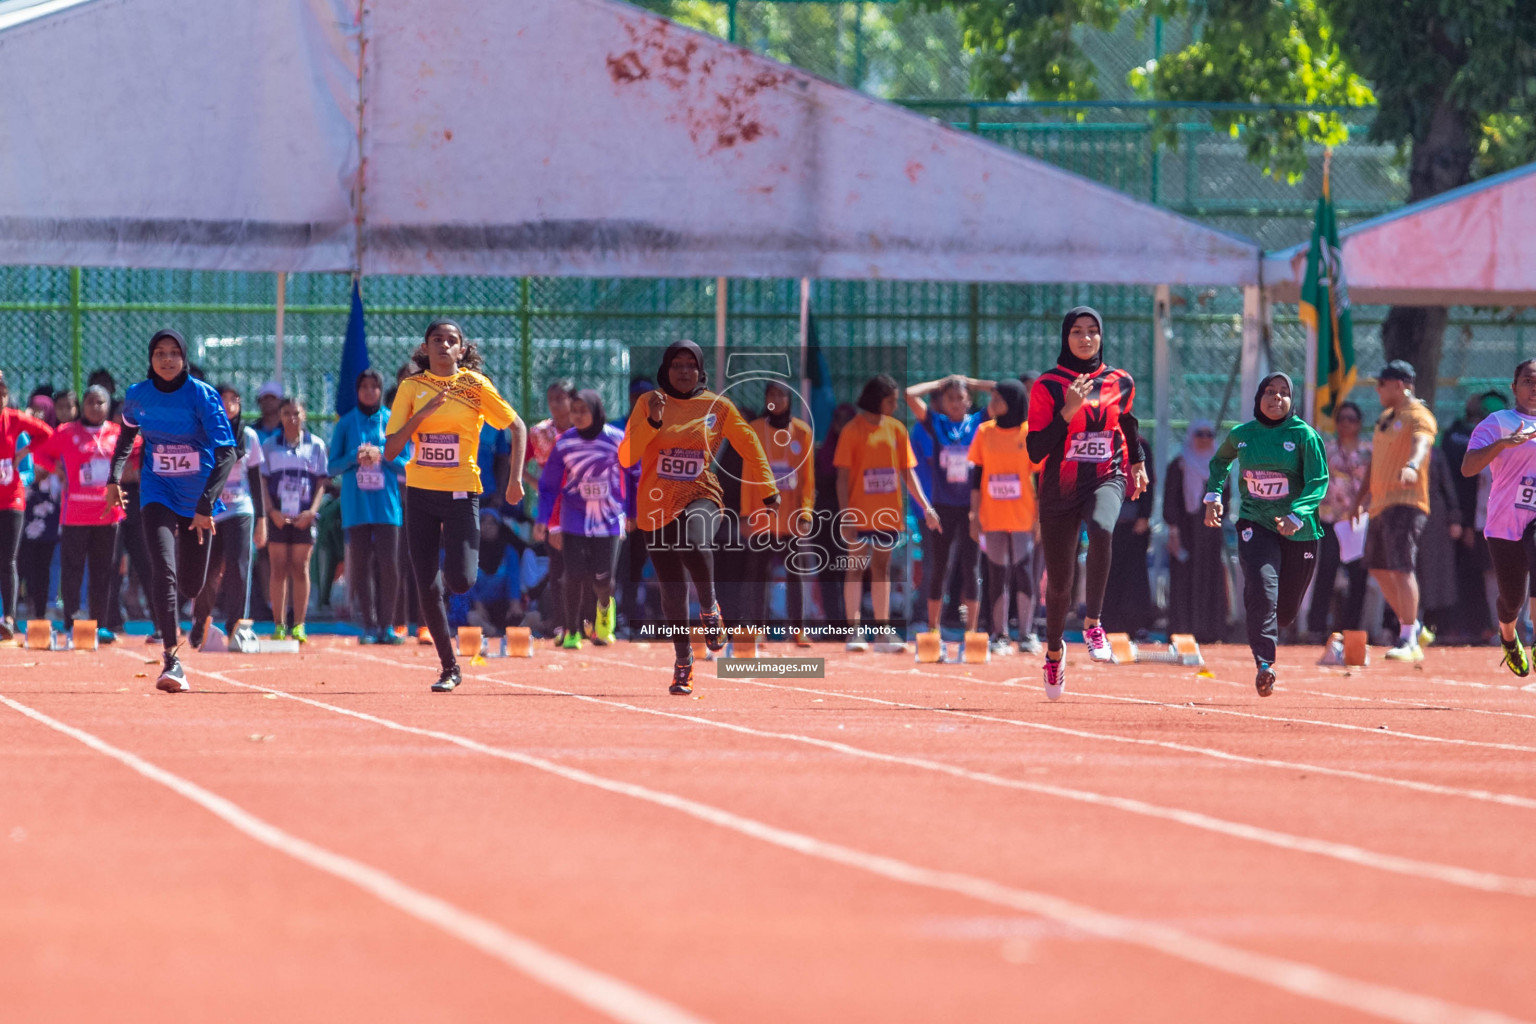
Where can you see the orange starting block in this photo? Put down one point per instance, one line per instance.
(39, 635)
(519, 642)
(975, 651)
(84, 635)
(930, 647)
(1122, 649)
(748, 645)
(1181, 650)
(471, 642)
(1356, 649)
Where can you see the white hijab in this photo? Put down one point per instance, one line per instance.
(1196, 466)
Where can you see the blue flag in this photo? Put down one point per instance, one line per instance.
(354, 354)
(822, 398)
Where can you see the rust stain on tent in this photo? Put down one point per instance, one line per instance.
(717, 96)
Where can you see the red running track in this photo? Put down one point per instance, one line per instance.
(318, 837)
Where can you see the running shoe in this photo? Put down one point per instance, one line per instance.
(1000, 646)
(7, 629)
(607, 623)
(1098, 644)
(571, 642)
(1425, 637)
(801, 639)
(280, 631)
(401, 631)
(1055, 676)
(200, 632)
(682, 678)
(888, 647)
(714, 632)
(153, 638)
(423, 636)
(858, 644)
(392, 637)
(367, 639)
(1029, 644)
(1406, 650)
(1516, 658)
(173, 678)
(448, 681)
(105, 636)
(297, 633)
(1264, 681)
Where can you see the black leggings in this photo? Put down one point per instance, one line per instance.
(1059, 536)
(758, 570)
(952, 542)
(229, 573)
(1514, 565)
(370, 545)
(1328, 566)
(589, 566)
(178, 563)
(444, 536)
(10, 545)
(681, 549)
(1276, 574)
(407, 601)
(82, 546)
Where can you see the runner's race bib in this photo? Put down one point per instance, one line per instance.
(1266, 485)
(1091, 446)
(880, 481)
(593, 490)
(1004, 487)
(291, 494)
(956, 466)
(176, 460)
(370, 478)
(1525, 495)
(680, 464)
(439, 451)
(785, 476)
(94, 472)
(7, 472)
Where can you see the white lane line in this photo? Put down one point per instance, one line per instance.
(1466, 877)
(1291, 976)
(1506, 799)
(1032, 682)
(601, 992)
(1421, 705)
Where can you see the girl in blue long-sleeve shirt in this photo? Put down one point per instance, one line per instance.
(370, 507)
(585, 497)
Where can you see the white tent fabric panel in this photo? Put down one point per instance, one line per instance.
(585, 137)
(548, 137)
(1475, 245)
(168, 133)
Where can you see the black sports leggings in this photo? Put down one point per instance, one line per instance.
(1514, 566)
(370, 545)
(444, 536)
(229, 573)
(589, 563)
(82, 546)
(1059, 537)
(952, 541)
(681, 549)
(1276, 574)
(10, 545)
(178, 561)
(758, 571)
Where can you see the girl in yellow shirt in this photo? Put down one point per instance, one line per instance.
(673, 434)
(439, 411)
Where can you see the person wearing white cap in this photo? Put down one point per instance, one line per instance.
(270, 401)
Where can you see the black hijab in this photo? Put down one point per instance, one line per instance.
(593, 401)
(373, 375)
(1069, 361)
(664, 375)
(1258, 400)
(1011, 392)
(779, 420)
(181, 378)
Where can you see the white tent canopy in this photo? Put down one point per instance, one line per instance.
(1475, 245)
(539, 137)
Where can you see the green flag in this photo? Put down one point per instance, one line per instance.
(1325, 309)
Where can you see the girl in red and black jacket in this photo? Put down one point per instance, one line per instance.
(1082, 433)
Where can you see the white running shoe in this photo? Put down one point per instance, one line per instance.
(1406, 650)
(889, 647)
(999, 647)
(858, 645)
(1029, 644)
(1098, 644)
(173, 678)
(1055, 677)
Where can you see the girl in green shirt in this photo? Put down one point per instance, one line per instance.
(1283, 478)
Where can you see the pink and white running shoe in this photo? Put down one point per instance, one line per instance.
(1055, 677)
(1098, 644)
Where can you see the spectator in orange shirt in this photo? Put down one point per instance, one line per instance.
(1003, 511)
(873, 452)
(780, 533)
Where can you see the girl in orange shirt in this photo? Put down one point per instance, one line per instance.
(780, 533)
(1003, 509)
(674, 434)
